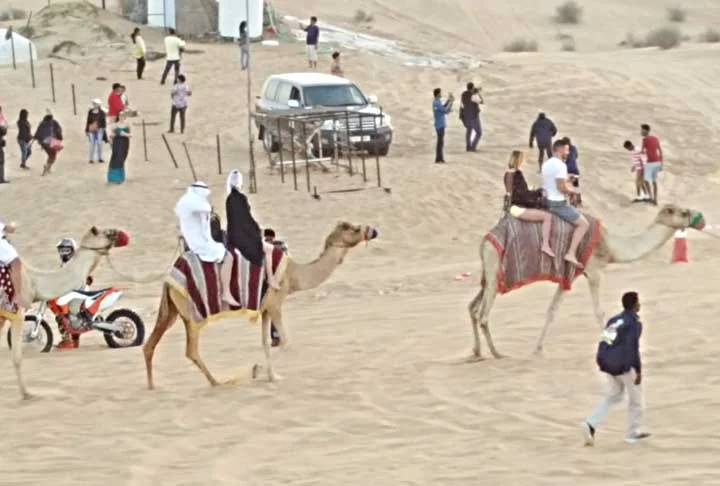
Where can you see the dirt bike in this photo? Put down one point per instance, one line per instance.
(122, 328)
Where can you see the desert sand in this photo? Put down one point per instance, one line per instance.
(371, 390)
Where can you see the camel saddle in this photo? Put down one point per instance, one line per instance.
(518, 243)
(200, 283)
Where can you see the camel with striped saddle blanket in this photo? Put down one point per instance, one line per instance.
(192, 292)
(511, 258)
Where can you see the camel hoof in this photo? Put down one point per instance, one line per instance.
(474, 358)
(499, 356)
(538, 352)
(28, 396)
(256, 371)
(274, 377)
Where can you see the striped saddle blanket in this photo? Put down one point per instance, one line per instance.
(521, 262)
(7, 292)
(200, 282)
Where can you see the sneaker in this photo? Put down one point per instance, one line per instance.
(65, 344)
(631, 439)
(588, 434)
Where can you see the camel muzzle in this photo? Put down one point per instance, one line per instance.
(370, 233)
(697, 221)
(122, 239)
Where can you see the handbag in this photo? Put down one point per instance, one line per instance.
(93, 127)
(56, 144)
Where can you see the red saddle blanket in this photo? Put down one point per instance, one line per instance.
(7, 292)
(521, 262)
(200, 282)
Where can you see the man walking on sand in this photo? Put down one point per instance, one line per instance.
(440, 110)
(543, 130)
(312, 35)
(470, 102)
(557, 188)
(618, 356)
(654, 156)
(173, 51)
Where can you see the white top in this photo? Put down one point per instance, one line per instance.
(193, 211)
(140, 47)
(172, 47)
(552, 170)
(7, 252)
(2, 229)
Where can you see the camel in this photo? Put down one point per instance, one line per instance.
(297, 277)
(611, 248)
(39, 285)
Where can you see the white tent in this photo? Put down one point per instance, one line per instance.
(23, 48)
(232, 12)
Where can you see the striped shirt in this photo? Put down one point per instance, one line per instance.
(637, 160)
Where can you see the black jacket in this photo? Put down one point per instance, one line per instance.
(98, 117)
(47, 129)
(243, 232)
(520, 193)
(619, 349)
(469, 109)
(543, 130)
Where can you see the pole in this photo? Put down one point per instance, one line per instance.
(192, 168)
(253, 179)
(219, 157)
(292, 153)
(172, 156)
(72, 87)
(349, 143)
(52, 82)
(32, 64)
(377, 151)
(12, 47)
(280, 153)
(144, 130)
(362, 152)
(103, 5)
(307, 161)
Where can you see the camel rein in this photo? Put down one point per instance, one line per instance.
(148, 278)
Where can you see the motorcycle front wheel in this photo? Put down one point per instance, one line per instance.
(43, 341)
(133, 333)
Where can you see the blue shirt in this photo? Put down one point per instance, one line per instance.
(440, 109)
(312, 35)
(571, 161)
(619, 348)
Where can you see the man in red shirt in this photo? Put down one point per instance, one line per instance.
(115, 102)
(653, 155)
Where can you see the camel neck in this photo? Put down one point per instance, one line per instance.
(304, 276)
(626, 249)
(71, 276)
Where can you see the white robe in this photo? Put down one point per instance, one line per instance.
(7, 252)
(194, 212)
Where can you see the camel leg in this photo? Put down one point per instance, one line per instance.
(549, 317)
(277, 319)
(486, 306)
(475, 309)
(265, 329)
(16, 327)
(594, 280)
(166, 317)
(192, 350)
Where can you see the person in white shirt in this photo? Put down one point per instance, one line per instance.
(194, 213)
(9, 258)
(557, 187)
(138, 51)
(173, 50)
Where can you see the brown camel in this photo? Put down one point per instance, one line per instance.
(38, 285)
(610, 249)
(297, 277)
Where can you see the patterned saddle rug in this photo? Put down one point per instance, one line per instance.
(200, 282)
(7, 293)
(521, 261)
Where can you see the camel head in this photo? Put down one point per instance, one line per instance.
(101, 240)
(680, 218)
(347, 235)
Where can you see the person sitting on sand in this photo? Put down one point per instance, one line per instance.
(557, 188)
(524, 203)
(335, 66)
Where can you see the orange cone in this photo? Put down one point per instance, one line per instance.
(680, 253)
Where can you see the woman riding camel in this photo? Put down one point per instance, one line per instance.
(523, 203)
(243, 232)
(9, 258)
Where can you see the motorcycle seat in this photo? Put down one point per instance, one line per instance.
(91, 293)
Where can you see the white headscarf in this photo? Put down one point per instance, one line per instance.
(235, 179)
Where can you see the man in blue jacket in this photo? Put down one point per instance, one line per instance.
(440, 110)
(618, 356)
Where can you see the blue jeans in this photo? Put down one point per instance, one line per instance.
(472, 126)
(25, 152)
(96, 143)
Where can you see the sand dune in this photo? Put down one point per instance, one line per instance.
(372, 392)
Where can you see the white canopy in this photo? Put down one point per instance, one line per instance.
(23, 48)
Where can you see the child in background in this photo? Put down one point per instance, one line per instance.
(269, 237)
(637, 164)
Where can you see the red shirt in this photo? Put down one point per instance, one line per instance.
(115, 105)
(651, 148)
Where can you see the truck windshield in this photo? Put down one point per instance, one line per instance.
(333, 95)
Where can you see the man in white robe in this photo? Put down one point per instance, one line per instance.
(194, 212)
(9, 257)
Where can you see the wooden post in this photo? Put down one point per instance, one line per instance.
(219, 157)
(144, 134)
(280, 153)
(172, 156)
(307, 161)
(362, 152)
(349, 144)
(12, 46)
(377, 152)
(32, 64)
(52, 81)
(192, 168)
(251, 141)
(72, 87)
(292, 153)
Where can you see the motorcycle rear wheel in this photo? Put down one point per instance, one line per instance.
(113, 338)
(44, 328)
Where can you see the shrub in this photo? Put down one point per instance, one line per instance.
(362, 16)
(27, 31)
(664, 38)
(521, 45)
(569, 12)
(567, 44)
(710, 35)
(676, 14)
(12, 14)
